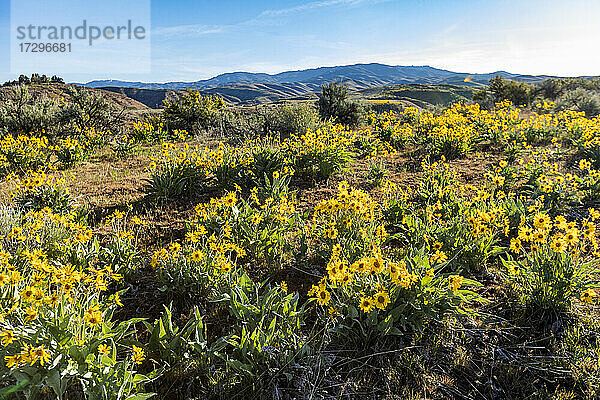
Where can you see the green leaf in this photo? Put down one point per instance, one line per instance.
(140, 396)
(140, 378)
(352, 312)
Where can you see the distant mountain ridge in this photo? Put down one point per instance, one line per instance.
(258, 88)
(357, 76)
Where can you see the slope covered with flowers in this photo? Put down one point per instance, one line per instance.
(279, 297)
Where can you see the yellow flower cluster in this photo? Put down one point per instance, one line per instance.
(559, 235)
(71, 146)
(358, 271)
(21, 153)
(203, 160)
(37, 287)
(463, 124)
(33, 180)
(354, 202)
(322, 140)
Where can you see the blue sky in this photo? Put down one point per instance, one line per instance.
(194, 40)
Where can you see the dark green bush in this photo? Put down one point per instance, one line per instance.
(519, 93)
(173, 180)
(87, 110)
(334, 104)
(267, 158)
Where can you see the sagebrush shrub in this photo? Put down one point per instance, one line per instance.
(192, 111)
(582, 100)
(334, 104)
(21, 113)
(292, 119)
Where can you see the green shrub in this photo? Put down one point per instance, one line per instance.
(292, 119)
(450, 147)
(581, 99)
(172, 345)
(483, 97)
(120, 244)
(185, 274)
(266, 158)
(267, 340)
(318, 155)
(518, 93)
(263, 226)
(232, 171)
(193, 112)
(334, 104)
(241, 123)
(389, 128)
(63, 320)
(377, 172)
(149, 130)
(69, 151)
(21, 153)
(21, 113)
(123, 145)
(551, 88)
(172, 180)
(87, 110)
(152, 129)
(370, 295)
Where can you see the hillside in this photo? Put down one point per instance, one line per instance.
(426, 85)
(234, 93)
(417, 94)
(60, 91)
(152, 98)
(420, 95)
(358, 76)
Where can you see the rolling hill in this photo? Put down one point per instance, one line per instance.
(59, 91)
(243, 93)
(358, 76)
(420, 95)
(258, 88)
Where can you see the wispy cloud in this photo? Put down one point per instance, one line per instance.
(189, 30)
(314, 5)
(264, 18)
